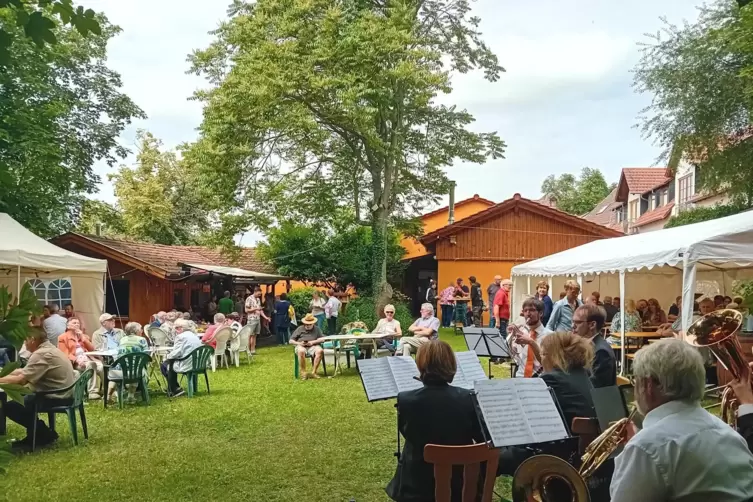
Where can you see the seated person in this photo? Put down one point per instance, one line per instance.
(387, 325)
(524, 339)
(633, 322)
(130, 342)
(235, 322)
(107, 336)
(674, 310)
(47, 369)
(744, 394)
(159, 318)
(424, 329)
(654, 315)
(74, 344)
(208, 337)
(169, 326)
(437, 413)
(185, 342)
(308, 339)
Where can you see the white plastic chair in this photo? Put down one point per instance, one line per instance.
(221, 336)
(240, 344)
(158, 336)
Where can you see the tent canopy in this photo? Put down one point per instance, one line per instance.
(235, 272)
(21, 248)
(724, 243)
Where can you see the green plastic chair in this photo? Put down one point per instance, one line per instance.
(296, 364)
(79, 394)
(133, 367)
(199, 361)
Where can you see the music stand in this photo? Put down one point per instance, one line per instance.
(486, 342)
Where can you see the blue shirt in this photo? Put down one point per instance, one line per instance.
(429, 322)
(562, 316)
(110, 341)
(281, 314)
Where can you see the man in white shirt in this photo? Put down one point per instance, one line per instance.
(683, 452)
(524, 340)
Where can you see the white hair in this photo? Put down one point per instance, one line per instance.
(132, 328)
(161, 315)
(675, 367)
(219, 318)
(428, 306)
(182, 323)
(71, 320)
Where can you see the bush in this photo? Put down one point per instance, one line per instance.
(363, 309)
(301, 301)
(698, 214)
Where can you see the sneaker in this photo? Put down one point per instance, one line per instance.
(94, 396)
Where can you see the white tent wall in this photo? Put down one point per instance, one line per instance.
(87, 290)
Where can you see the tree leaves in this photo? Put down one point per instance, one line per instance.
(576, 195)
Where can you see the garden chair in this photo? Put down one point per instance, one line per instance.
(471, 458)
(158, 336)
(296, 369)
(239, 344)
(221, 336)
(133, 367)
(199, 361)
(79, 393)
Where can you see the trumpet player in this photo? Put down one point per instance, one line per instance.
(744, 393)
(683, 452)
(524, 340)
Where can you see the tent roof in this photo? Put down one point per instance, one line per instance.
(20, 247)
(235, 272)
(721, 243)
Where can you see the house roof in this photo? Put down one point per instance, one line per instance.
(513, 203)
(547, 200)
(463, 202)
(163, 260)
(602, 213)
(658, 214)
(640, 180)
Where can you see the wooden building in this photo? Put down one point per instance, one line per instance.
(492, 241)
(144, 278)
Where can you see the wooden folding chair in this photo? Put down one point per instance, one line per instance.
(587, 429)
(470, 457)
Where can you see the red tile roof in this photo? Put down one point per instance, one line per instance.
(658, 214)
(603, 213)
(644, 179)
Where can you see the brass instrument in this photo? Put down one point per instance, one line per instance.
(546, 478)
(717, 332)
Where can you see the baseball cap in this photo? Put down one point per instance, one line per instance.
(105, 317)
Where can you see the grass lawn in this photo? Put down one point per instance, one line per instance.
(259, 436)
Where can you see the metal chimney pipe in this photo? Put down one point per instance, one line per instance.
(451, 218)
(98, 230)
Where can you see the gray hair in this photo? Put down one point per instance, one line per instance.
(182, 323)
(675, 367)
(172, 316)
(219, 318)
(187, 315)
(132, 328)
(161, 315)
(428, 306)
(54, 308)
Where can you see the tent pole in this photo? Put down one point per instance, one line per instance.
(688, 292)
(622, 322)
(529, 285)
(579, 278)
(551, 285)
(18, 291)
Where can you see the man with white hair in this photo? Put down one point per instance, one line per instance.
(185, 342)
(107, 337)
(159, 318)
(424, 329)
(683, 452)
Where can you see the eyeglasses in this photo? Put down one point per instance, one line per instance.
(388, 312)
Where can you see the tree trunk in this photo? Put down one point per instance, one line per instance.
(379, 250)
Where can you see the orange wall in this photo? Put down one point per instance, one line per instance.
(433, 222)
(450, 270)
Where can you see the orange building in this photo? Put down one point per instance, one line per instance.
(492, 241)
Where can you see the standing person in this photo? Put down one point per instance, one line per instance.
(542, 294)
(212, 307)
(317, 309)
(226, 305)
(462, 295)
(239, 306)
(562, 312)
(74, 344)
(683, 452)
(502, 306)
(254, 314)
(55, 325)
(525, 340)
(491, 292)
(477, 301)
(282, 318)
(447, 304)
(331, 311)
(587, 323)
(431, 293)
(425, 328)
(609, 308)
(308, 339)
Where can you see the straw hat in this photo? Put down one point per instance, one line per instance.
(308, 319)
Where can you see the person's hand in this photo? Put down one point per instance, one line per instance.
(742, 389)
(524, 340)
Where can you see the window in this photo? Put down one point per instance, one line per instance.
(57, 291)
(685, 188)
(118, 297)
(633, 210)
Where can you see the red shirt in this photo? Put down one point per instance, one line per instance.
(208, 339)
(502, 298)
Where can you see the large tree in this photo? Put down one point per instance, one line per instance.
(701, 78)
(577, 195)
(61, 110)
(100, 217)
(316, 103)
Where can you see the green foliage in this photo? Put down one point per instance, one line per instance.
(14, 326)
(300, 298)
(698, 214)
(363, 309)
(98, 213)
(744, 289)
(577, 195)
(700, 77)
(62, 110)
(319, 105)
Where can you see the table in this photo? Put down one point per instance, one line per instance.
(372, 337)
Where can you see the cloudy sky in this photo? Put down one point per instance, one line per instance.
(565, 102)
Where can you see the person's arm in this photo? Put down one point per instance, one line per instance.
(637, 477)
(88, 345)
(64, 349)
(15, 377)
(413, 327)
(554, 319)
(398, 330)
(177, 351)
(602, 370)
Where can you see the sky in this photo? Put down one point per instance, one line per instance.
(565, 101)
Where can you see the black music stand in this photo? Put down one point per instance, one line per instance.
(486, 342)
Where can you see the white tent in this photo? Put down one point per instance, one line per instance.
(657, 264)
(57, 275)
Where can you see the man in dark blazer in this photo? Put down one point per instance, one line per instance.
(587, 323)
(744, 394)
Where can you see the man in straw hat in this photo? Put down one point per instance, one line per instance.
(308, 339)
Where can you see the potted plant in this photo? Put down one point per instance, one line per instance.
(744, 289)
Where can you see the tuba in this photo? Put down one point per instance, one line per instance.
(717, 332)
(546, 478)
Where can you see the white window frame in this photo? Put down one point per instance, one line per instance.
(52, 285)
(685, 196)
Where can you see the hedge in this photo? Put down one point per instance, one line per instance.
(698, 214)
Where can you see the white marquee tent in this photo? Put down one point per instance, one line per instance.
(56, 274)
(661, 264)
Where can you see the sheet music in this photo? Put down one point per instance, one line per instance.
(377, 378)
(403, 371)
(469, 370)
(519, 411)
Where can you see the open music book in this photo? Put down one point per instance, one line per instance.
(519, 411)
(386, 377)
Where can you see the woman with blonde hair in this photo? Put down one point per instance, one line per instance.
(633, 322)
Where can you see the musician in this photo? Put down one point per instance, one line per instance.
(524, 340)
(587, 323)
(744, 393)
(683, 452)
(437, 413)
